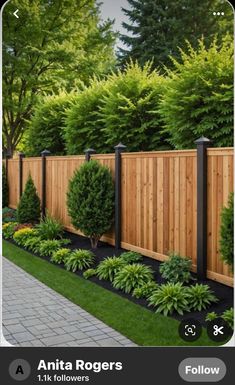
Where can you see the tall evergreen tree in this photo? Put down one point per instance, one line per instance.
(158, 27)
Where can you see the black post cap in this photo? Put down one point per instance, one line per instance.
(203, 140)
(90, 151)
(21, 154)
(120, 147)
(46, 153)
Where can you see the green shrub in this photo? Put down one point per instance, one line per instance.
(169, 298)
(198, 96)
(22, 235)
(89, 273)
(45, 130)
(60, 256)
(90, 200)
(131, 257)
(28, 209)
(50, 228)
(130, 110)
(132, 276)
(211, 316)
(5, 188)
(83, 127)
(48, 247)
(176, 269)
(200, 297)
(79, 260)
(8, 229)
(108, 268)
(33, 244)
(228, 316)
(8, 215)
(227, 233)
(146, 290)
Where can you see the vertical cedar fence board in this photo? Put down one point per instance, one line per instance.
(159, 199)
(13, 182)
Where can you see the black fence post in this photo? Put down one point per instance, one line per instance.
(44, 154)
(88, 154)
(202, 145)
(21, 156)
(118, 198)
(8, 156)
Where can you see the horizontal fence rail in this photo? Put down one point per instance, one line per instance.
(158, 201)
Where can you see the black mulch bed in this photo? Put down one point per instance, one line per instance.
(223, 293)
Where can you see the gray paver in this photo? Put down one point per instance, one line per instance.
(35, 315)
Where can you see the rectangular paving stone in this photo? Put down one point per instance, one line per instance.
(16, 328)
(51, 341)
(23, 337)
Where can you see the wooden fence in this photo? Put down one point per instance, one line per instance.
(158, 199)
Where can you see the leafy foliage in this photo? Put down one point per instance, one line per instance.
(200, 297)
(33, 244)
(64, 43)
(5, 188)
(60, 256)
(228, 316)
(28, 209)
(170, 298)
(145, 290)
(108, 268)
(48, 247)
(176, 269)
(79, 260)
(8, 215)
(22, 235)
(131, 257)
(227, 233)
(89, 273)
(50, 228)
(211, 316)
(131, 106)
(90, 200)
(8, 229)
(156, 30)
(83, 126)
(45, 129)
(203, 83)
(132, 276)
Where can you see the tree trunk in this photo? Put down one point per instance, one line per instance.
(94, 242)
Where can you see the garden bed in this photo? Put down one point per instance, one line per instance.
(222, 292)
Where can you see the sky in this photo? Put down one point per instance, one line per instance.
(113, 9)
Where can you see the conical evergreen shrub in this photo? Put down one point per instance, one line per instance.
(5, 189)
(226, 233)
(90, 200)
(28, 209)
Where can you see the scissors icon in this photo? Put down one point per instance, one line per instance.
(218, 330)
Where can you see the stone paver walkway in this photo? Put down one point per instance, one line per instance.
(35, 315)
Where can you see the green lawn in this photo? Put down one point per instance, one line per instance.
(135, 322)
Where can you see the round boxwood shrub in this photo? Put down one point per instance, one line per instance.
(28, 210)
(226, 233)
(90, 200)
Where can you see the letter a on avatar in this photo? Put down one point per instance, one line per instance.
(19, 370)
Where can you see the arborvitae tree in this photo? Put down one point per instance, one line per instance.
(227, 233)
(198, 96)
(90, 200)
(157, 28)
(4, 187)
(28, 210)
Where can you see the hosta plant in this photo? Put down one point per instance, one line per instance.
(79, 260)
(131, 257)
(146, 290)
(132, 276)
(47, 248)
(108, 268)
(170, 298)
(50, 228)
(200, 297)
(89, 273)
(228, 316)
(60, 256)
(22, 235)
(33, 244)
(176, 269)
(8, 229)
